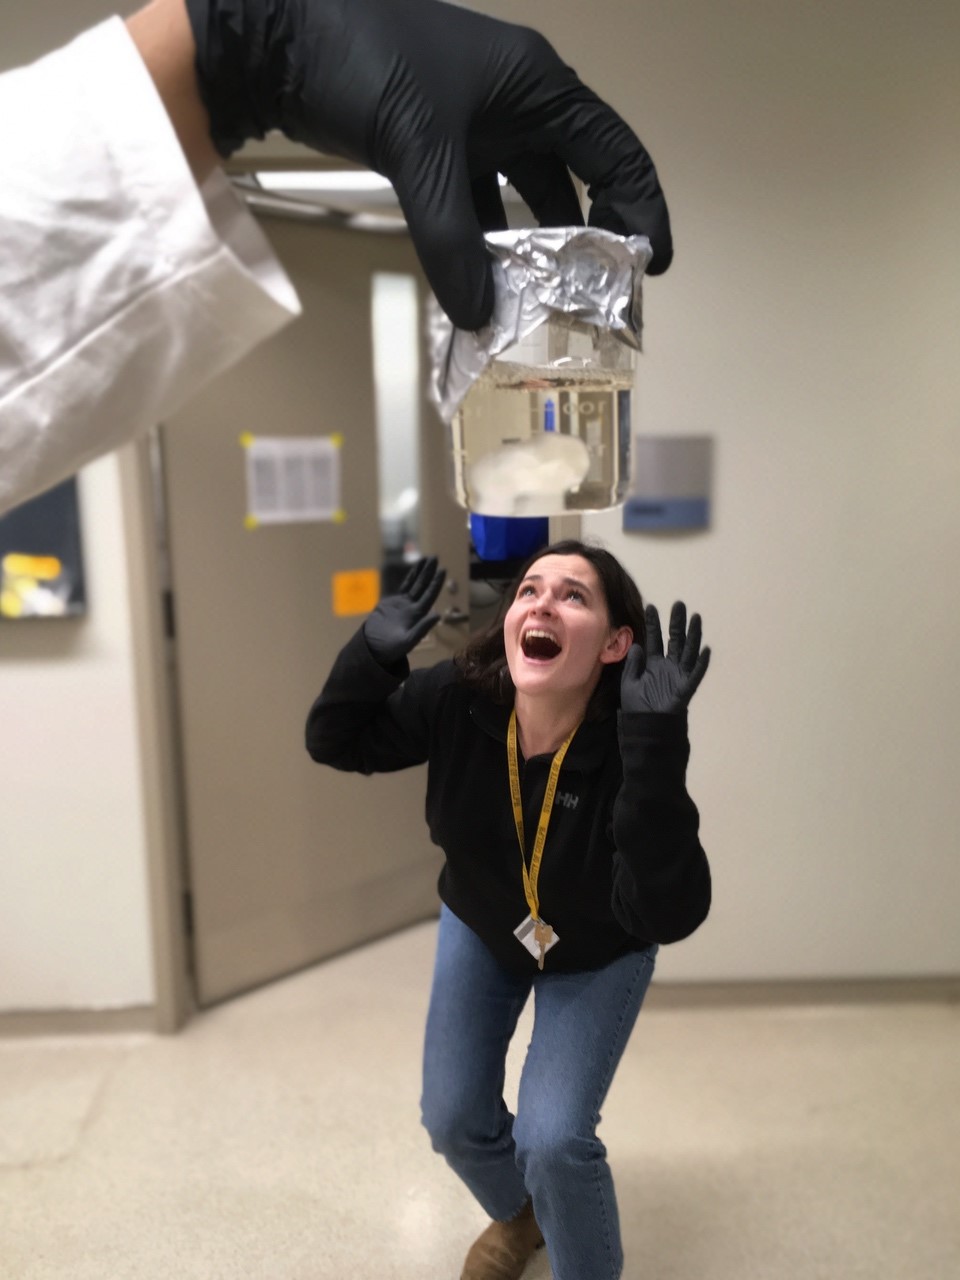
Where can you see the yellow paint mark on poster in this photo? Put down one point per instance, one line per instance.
(355, 591)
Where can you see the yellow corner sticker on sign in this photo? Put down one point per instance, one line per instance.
(355, 591)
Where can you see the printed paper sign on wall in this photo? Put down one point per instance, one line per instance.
(292, 479)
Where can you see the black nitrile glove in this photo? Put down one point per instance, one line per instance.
(439, 100)
(399, 622)
(660, 683)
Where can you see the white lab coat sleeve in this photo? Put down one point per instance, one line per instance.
(123, 287)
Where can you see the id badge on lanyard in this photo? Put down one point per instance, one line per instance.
(533, 933)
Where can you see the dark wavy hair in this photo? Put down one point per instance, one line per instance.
(483, 661)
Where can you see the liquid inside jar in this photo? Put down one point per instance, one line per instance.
(534, 440)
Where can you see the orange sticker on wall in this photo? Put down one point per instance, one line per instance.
(355, 591)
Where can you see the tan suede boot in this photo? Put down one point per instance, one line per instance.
(504, 1249)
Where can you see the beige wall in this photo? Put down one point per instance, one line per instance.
(73, 893)
(809, 154)
(45, 24)
(810, 323)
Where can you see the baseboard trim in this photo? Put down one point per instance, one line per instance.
(77, 1022)
(810, 991)
(662, 995)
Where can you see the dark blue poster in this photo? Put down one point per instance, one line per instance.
(41, 560)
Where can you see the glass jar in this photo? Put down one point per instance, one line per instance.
(545, 429)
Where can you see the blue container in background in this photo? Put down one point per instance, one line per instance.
(508, 537)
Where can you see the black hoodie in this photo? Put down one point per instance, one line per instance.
(622, 866)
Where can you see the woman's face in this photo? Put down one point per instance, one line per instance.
(557, 633)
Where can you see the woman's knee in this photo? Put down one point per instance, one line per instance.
(551, 1146)
(465, 1121)
(449, 1120)
(443, 1126)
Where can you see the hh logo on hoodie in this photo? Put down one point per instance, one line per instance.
(567, 799)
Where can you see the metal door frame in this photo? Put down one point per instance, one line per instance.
(160, 753)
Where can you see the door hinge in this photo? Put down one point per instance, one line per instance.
(169, 621)
(188, 913)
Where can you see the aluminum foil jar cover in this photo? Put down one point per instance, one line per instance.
(583, 273)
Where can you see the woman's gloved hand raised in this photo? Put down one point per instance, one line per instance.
(439, 100)
(653, 682)
(399, 622)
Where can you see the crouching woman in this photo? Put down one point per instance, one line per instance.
(556, 745)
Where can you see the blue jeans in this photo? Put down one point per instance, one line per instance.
(550, 1150)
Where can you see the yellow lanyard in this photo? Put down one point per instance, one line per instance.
(530, 879)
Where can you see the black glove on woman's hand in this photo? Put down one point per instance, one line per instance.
(400, 622)
(439, 100)
(658, 683)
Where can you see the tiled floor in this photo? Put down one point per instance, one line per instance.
(277, 1138)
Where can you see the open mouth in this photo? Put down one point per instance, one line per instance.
(539, 645)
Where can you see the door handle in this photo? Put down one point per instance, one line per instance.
(454, 616)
